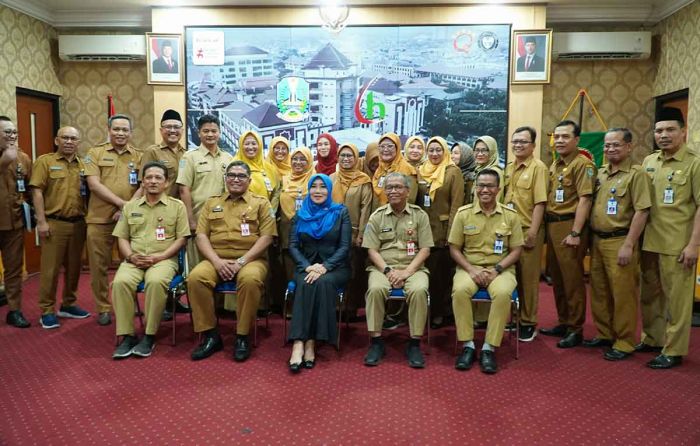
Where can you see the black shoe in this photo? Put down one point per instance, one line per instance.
(167, 315)
(527, 333)
(646, 348)
(466, 359)
(414, 355)
(510, 326)
(616, 355)
(557, 331)
(309, 363)
(126, 347)
(570, 340)
(695, 322)
(181, 307)
(597, 342)
(241, 351)
(295, 367)
(487, 361)
(16, 319)
(211, 343)
(437, 322)
(375, 353)
(104, 319)
(145, 347)
(665, 362)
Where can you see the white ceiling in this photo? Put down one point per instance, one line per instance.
(137, 13)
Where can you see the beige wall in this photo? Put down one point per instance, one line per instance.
(525, 100)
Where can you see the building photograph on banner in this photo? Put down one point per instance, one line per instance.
(299, 82)
(164, 59)
(532, 56)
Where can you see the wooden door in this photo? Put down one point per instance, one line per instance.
(37, 123)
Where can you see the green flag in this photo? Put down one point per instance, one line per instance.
(593, 142)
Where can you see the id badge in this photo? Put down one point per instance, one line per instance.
(426, 201)
(410, 248)
(160, 233)
(510, 205)
(20, 185)
(297, 203)
(612, 207)
(245, 229)
(668, 196)
(83, 186)
(559, 196)
(133, 178)
(498, 247)
(380, 183)
(268, 184)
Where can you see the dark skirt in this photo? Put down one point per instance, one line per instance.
(313, 313)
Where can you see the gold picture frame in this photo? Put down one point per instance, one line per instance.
(531, 56)
(165, 66)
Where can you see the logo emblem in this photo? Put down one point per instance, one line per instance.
(488, 41)
(293, 99)
(375, 110)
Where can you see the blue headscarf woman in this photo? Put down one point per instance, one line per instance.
(319, 242)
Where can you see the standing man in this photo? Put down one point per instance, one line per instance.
(15, 171)
(169, 152)
(671, 241)
(150, 232)
(526, 193)
(398, 239)
(234, 231)
(112, 175)
(60, 193)
(571, 178)
(485, 242)
(201, 176)
(620, 210)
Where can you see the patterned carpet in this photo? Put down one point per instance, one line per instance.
(61, 387)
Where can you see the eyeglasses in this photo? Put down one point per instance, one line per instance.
(299, 160)
(394, 187)
(236, 176)
(10, 132)
(612, 145)
(520, 142)
(171, 127)
(486, 186)
(387, 146)
(481, 150)
(69, 138)
(346, 155)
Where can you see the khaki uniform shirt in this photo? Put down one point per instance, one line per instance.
(388, 234)
(476, 233)
(576, 176)
(630, 188)
(221, 219)
(203, 173)
(170, 158)
(671, 224)
(140, 221)
(113, 169)
(60, 182)
(443, 208)
(11, 200)
(358, 200)
(526, 186)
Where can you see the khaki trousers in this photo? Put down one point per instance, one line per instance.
(667, 303)
(250, 285)
(566, 267)
(528, 272)
(100, 243)
(614, 291)
(156, 280)
(500, 290)
(416, 290)
(63, 247)
(12, 251)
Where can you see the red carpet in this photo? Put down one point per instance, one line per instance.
(61, 387)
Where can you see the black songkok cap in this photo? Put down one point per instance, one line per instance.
(530, 40)
(171, 114)
(670, 114)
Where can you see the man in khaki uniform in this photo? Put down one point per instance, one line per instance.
(169, 151)
(569, 202)
(234, 231)
(620, 210)
(398, 239)
(485, 242)
(526, 193)
(60, 193)
(112, 175)
(15, 171)
(201, 176)
(150, 232)
(671, 241)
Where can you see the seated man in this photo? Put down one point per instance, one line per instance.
(233, 233)
(398, 238)
(485, 243)
(150, 232)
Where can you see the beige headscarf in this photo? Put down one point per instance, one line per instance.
(371, 153)
(283, 167)
(423, 157)
(398, 164)
(347, 178)
(435, 174)
(293, 183)
(493, 153)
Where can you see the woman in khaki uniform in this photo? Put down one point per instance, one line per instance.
(369, 164)
(414, 151)
(264, 180)
(391, 160)
(463, 157)
(440, 194)
(353, 188)
(278, 156)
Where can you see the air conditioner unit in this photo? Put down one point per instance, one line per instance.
(601, 45)
(102, 48)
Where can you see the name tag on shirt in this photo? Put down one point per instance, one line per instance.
(133, 178)
(668, 196)
(612, 207)
(498, 247)
(410, 248)
(426, 200)
(245, 229)
(297, 203)
(559, 196)
(20, 185)
(380, 183)
(160, 233)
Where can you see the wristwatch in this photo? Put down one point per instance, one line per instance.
(498, 268)
(387, 269)
(128, 258)
(241, 261)
(575, 234)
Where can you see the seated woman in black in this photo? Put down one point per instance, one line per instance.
(319, 242)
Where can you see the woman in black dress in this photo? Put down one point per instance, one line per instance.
(319, 242)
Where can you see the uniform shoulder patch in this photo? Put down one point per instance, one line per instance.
(589, 172)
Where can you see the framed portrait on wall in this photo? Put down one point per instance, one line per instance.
(164, 58)
(531, 56)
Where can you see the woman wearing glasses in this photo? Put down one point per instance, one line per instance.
(486, 155)
(391, 160)
(263, 179)
(278, 156)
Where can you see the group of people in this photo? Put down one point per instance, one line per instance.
(432, 221)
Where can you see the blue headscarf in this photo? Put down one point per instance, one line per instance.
(317, 219)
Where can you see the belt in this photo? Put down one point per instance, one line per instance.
(616, 233)
(66, 219)
(549, 218)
